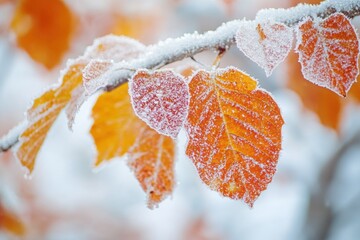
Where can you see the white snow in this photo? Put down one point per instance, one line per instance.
(12, 136)
(298, 13)
(168, 51)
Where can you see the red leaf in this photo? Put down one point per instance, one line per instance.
(161, 99)
(328, 52)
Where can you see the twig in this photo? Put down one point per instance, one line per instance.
(320, 215)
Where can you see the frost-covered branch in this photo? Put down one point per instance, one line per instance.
(172, 50)
(176, 49)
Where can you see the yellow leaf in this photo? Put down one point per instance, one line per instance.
(117, 131)
(43, 114)
(115, 127)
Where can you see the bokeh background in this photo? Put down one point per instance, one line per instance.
(315, 193)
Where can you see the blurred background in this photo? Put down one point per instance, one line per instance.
(315, 193)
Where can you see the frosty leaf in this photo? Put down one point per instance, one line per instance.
(267, 44)
(161, 99)
(152, 160)
(328, 52)
(234, 132)
(324, 103)
(43, 114)
(78, 97)
(43, 29)
(95, 69)
(104, 52)
(117, 130)
(100, 56)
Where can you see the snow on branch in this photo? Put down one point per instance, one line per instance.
(172, 50)
(12, 137)
(294, 15)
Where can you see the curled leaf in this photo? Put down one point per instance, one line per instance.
(43, 114)
(100, 57)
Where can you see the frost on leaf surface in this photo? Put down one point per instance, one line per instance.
(100, 57)
(267, 43)
(328, 52)
(152, 160)
(117, 130)
(234, 131)
(105, 52)
(161, 99)
(323, 102)
(43, 114)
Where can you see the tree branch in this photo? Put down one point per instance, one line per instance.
(320, 214)
(172, 50)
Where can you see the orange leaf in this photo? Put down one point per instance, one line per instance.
(10, 222)
(328, 52)
(43, 114)
(152, 160)
(43, 29)
(325, 104)
(115, 127)
(117, 130)
(355, 91)
(234, 133)
(295, 2)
